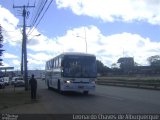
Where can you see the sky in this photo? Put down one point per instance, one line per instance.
(109, 29)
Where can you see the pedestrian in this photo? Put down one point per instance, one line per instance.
(33, 84)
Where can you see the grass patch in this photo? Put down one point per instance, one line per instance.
(9, 98)
(139, 82)
(131, 78)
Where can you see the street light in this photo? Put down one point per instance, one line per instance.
(22, 61)
(84, 38)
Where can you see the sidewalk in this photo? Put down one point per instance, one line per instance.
(18, 101)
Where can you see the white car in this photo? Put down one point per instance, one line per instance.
(14, 80)
(19, 82)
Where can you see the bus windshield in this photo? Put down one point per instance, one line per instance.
(79, 66)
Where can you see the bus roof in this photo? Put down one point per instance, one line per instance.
(73, 53)
(77, 53)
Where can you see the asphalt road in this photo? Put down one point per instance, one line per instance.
(106, 99)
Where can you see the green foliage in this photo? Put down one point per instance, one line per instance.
(101, 68)
(154, 60)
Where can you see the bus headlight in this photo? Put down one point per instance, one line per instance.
(68, 81)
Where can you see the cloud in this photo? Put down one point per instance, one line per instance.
(9, 22)
(38, 60)
(16, 62)
(39, 56)
(41, 43)
(111, 10)
(9, 55)
(6, 64)
(8, 17)
(106, 48)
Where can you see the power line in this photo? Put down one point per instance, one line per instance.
(41, 7)
(41, 17)
(35, 13)
(39, 13)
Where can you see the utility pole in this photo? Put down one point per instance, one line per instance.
(22, 59)
(85, 38)
(24, 45)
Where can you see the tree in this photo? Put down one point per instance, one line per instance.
(136, 64)
(1, 50)
(115, 66)
(154, 60)
(101, 68)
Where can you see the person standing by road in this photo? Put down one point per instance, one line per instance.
(33, 83)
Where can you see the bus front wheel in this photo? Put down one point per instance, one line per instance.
(59, 87)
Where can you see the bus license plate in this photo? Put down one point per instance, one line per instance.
(80, 87)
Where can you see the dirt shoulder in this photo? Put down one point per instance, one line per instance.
(18, 101)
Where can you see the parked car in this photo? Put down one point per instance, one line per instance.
(6, 80)
(2, 84)
(13, 80)
(19, 81)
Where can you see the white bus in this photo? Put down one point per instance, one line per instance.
(72, 71)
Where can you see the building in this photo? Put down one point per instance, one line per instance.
(37, 73)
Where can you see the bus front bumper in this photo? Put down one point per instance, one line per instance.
(78, 87)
